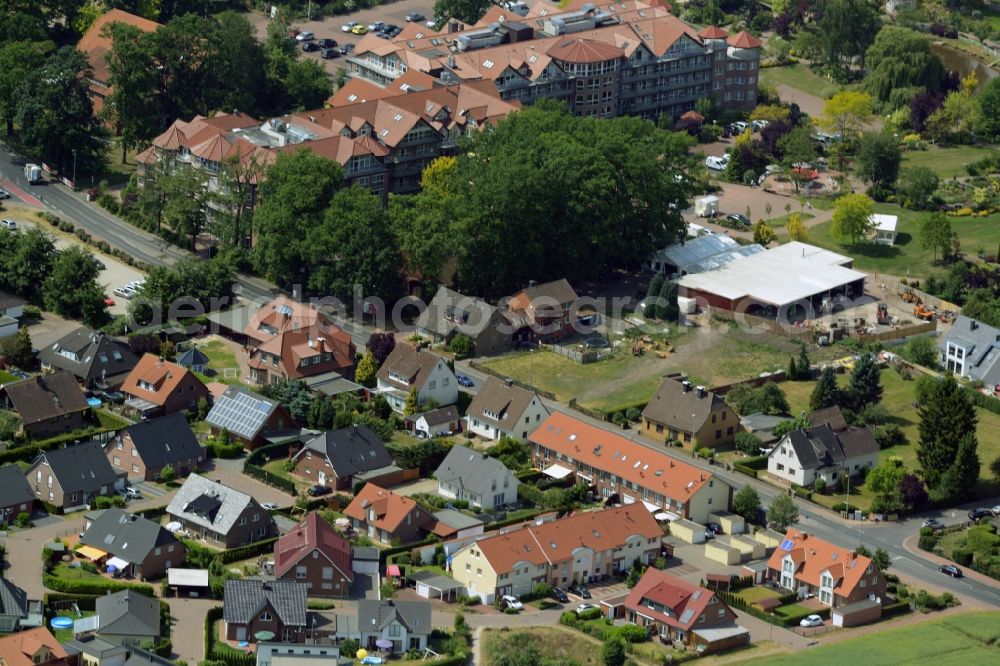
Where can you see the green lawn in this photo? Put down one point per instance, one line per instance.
(961, 639)
(220, 358)
(898, 400)
(908, 254)
(63, 635)
(800, 77)
(946, 162)
(756, 593)
(110, 421)
(277, 467)
(66, 572)
(782, 220)
(6, 377)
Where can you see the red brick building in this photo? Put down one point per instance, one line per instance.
(315, 554)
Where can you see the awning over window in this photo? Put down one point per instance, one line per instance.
(557, 471)
(651, 507)
(91, 553)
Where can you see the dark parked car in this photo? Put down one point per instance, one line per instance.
(309, 47)
(978, 514)
(951, 570)
(580, 591)
(318, 491)
(326, 43)
(346, 48)
(559, 595)
(415, 17)
(329, 54)
(738, 220)
(714, 528)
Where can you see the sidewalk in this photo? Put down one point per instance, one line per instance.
(910, 543)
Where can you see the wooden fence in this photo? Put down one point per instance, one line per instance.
(475, 365)
(896, 333)
(891, 284)
(574, 354)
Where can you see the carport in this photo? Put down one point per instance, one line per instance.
(193, 581)
(429, 583)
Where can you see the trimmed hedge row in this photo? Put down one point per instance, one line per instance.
(97, 586)
(85, 602)
(211, 654)
(269, 478)
(267, 453)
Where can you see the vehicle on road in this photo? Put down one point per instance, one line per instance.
(979, 513)
(269, 506)
(464, 380)
(327, 43)
(329, 54)
(580, 591)
(933, 523)
(415, 17)
(582, 608)
(811, 621)
(510, 601)
(347, 27)
(310, 47)
(10, 225)
(305, 36)
(4, 194)
(558, 594)
(32, 173)
(318, 490)
(951, 570)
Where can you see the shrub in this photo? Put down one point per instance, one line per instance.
(569, 619)
(95, 586)
(590, 614)
(962, 556)
(928, 542)
(748, 443)
(630, 633)
(889, 434)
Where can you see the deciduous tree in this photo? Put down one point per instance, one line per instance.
(72, 290)
(916, 187)
(901, 64)
(746, 503)
(846, 113)
(937, 235)
(878, 159)
(17, 60)
(799, 150)
(782, 512)
(797, 228)
(381, 344)
(852, 218)
(364, 374)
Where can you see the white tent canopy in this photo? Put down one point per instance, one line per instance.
(557, 471)
(118, 563)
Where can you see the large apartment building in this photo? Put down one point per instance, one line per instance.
(602, 59)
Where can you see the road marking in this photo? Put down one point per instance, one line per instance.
(24, 196)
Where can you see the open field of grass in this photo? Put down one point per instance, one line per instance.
(782, 220)
(946, 162)
(220, 359)
(898, 400)
(563, 646)
(908, 254)
(757, 593)
(711, 356)
(964, 638)
(800, 77)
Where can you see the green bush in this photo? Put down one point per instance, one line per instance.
(630, 633)
(804, 493)
(569, 618)
(95, 586)
(982, 539)
(962, 556)
(590, 614)
(928, 542)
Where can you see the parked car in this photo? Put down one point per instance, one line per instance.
(811, 621)
(327, 43)
(347, 27)
(359, 30)
(584, 607)
(318, 490)
(432, 23)
(758, 125)
(309, 47)
(510, 601)
(123, 293)
(714, 528)
(376, 26)
(558, 594)
(979, 513)
(4, 194)
(346, 48)
(738, 221)
(305, 36)
(933, 523)
(415, 17)
(580, 591)
(10, 225)
(464, 380)
(951, 570)
(131, 493)
(717, 163)
(269, 506)
(329, 54)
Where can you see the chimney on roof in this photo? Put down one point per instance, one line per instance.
(973, 324)
(700, 392)
(685, 386)
(159, 363)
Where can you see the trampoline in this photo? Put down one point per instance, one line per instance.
(61, 622)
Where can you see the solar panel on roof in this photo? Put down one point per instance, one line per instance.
(787, 544)
(285, 310)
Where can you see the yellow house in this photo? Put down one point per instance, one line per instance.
(678, 409)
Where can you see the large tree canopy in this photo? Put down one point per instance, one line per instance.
(901, 65)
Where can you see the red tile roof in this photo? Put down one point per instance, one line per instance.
(163, 376)
(390, 509)
(744, 40)
(30, 648)
(577, 50)
(96, 45)
(313, 533)
(812, 556)
(685, 600)
(713, 32)
(556, 541)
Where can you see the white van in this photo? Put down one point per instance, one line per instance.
(717, 163)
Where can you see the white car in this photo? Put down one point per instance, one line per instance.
(584, 607)
(269, 506)
(347, 27)
(130, 493)
(811, 621)
(8, 224)
(136, 284)
(305, 36)
(510, 601)
(4, 194)
(717, 163)
(123, 293)
(432, 23)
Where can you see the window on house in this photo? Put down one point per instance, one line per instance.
(300, 571)
(265, 617)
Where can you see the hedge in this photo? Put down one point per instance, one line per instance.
(802, 492)
(267, 453)
(229, 658)
(898, 608)
(269, 478)
(98, 586)
(751, 465)
(779, 620)
(85, 602)
(232, 554)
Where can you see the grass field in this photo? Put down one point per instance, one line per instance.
(6, 377)
(782, 220)
(946, 162)
(898, 400)
(800, 77)
(908, 254)
(220, 359)
(565, 646)
(964, 638)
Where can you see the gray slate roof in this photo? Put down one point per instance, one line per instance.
(14, 488)
(471, 469)
(128, 613)
(245, 598)
(13, 600)
(191, 357)
(500, 403)
(10, 301)
(242, 412)
(821, 447)
(450, 310)
(982, 348)
(209, 504)
(126, 535)
(437, 416)
(831, 416)
(95, 646)
(672, 406)
(80, 467)
(351, 451)
(89, 355)
(375, 615)
(144, 658)
(164, 441)
(46, 396)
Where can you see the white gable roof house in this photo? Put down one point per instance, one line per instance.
(409, 367)
(503, 409)
(803, 456)
(472, 476)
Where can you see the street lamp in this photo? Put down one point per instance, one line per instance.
(74, 168)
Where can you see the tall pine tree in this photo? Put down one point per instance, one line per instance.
(946, 417)
(804, 369)
(865, 387)
(959, 481)
(652, 293)
(826, 393)
(668, 301)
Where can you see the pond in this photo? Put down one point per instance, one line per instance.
(964, 64)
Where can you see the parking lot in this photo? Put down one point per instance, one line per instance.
(329, 27)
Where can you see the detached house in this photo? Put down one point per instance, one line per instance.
(34, 647)
(144, 449)
(96, 359)
(293, 340)
(559, 553)
(503, 409)
(223, 516)
(971, 350)
(676, 610)
(16, 495)
(48, 405)
(405, 624)
(277, 606)
(450, 313)
(71, 478)
(679, 410)
(156, 387)
(837, 576)
(338, 458)
(250, 418)
(387, 517)
(476, 478)
(14, 606)
(140, 547)
(314, 553)
(803, 456)
(128, 618)
(412, 368)
(542, 311)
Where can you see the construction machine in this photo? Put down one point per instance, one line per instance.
(882, 315)
(922, 312)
